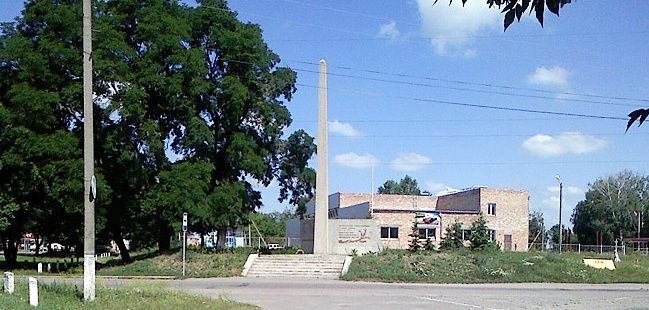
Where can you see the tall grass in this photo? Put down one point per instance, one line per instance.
(464, 266)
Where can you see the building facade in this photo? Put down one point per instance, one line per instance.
(505, 211)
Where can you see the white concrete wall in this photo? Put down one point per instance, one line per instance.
(348, 235)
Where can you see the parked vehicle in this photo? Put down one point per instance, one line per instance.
(42, 249)
(274, 246)
(56, 247)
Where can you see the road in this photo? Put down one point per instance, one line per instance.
(313, 294)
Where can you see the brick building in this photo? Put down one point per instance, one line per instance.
(505, 211)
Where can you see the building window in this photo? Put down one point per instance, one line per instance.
(390, 232)
(491, 209)
(466, 234)
(425, 233)
(492, 234)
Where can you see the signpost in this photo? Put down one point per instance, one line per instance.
(184, 239)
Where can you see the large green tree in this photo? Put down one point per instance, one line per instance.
(611, 207)
(40, 157)
(170, 81)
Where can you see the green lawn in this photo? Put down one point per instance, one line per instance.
(64, 297)
(464, 266)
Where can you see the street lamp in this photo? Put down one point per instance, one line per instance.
(560, 205)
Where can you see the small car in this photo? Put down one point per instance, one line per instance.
(274, 246)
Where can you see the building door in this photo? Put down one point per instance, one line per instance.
(508, 242)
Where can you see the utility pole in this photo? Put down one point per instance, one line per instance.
(88, 160)
(372, 193)
(560, 205)
(321, 226)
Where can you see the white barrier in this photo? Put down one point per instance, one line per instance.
(33, 292)
(8, 282)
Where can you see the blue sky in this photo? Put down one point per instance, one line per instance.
(399, 69)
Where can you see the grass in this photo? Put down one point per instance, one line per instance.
(464, 266)
(148, 263)
(198, 265)
(65, 297)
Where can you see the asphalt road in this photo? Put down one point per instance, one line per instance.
(312, 294)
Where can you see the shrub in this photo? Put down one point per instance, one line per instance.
(414, 245)
(453, 237)
(480, 235)
(429, 246)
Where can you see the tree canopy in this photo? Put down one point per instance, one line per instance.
(611, 208)
(514, 9)
(406, 186)
(190, 115)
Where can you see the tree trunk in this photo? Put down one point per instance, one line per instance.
(10, 252)
(123, 251)
(221, 238)
(164, 236)
(202, 241)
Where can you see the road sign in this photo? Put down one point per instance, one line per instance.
(184, 239)
(93, 188)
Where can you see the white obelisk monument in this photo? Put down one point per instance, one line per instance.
(321, 226)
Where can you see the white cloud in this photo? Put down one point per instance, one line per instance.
(389, 31)
(552, 202)
(452, 26)
(344, 129)
(564, 143)
(356, 161)
(554, 76)
(408, 162)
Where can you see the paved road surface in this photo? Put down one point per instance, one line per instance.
(312, 294)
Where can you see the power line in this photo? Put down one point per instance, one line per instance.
(441, 120)
(383, 18)
(497, 135)
(403, 75)
(483, 106)
(468, 89)
(512, 163)
(456, 81)
(464, 89)
(294, 22)
(337, 10)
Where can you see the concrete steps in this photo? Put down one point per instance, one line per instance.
(300, 265)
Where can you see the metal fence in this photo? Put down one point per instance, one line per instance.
(580, 248)
(256, 242)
